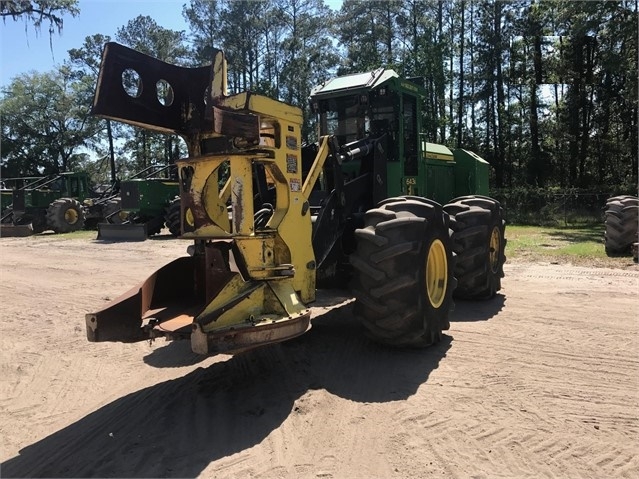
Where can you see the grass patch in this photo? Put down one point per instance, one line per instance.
(580, 245)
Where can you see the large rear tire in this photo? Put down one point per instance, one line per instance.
(621, 223)
(403, 272)
(172, 217)
(65, 215)
(479, 242)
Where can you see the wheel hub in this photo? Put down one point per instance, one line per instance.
(436, 273)
(71, 216)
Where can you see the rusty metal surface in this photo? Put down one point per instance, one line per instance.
(217, 270)
(185, 114)
(237, 124)
(235, 340)
(171, 290)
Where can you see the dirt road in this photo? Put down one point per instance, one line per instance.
(540, 382)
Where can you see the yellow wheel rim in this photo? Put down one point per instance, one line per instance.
(436, 273)
(495, 248)
(188, 216)
(71, 216)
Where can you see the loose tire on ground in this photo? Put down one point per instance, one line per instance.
(403, 272)
(172, 217)
(479, 242)
(65, 215)
(621, 222)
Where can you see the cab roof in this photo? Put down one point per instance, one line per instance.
(365, 82)
(352, 83)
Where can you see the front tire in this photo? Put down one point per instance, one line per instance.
(65, 215)
(479, 241)
(403, 272)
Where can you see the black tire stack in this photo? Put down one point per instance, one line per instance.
(622, 224)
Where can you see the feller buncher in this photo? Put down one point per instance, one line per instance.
(348, 210)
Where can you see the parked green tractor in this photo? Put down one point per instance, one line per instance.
(8, 185)
(61, 203)
(145, 205)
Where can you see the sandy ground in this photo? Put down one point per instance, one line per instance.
(540, 382)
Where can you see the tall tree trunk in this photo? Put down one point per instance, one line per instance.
(473, 123)
(500, 146)
(111, 151)
(441, 83)
(460, 100)
(535, 161)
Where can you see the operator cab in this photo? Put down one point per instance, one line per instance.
(371, 107)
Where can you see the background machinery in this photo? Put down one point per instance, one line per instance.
(365, 206)
(143, 206)
(62, 203)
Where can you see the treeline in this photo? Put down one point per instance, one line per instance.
(545, 90)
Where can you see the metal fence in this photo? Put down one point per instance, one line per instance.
(553, 207)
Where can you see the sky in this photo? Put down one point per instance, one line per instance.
(24, 50)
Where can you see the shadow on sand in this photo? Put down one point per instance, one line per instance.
(232, 405)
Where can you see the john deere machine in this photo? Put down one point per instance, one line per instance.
(62, 203)
(142, 206)
(371, 206)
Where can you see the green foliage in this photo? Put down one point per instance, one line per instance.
(39, 11)
(280, 49)
(545, 90)
(556, 205)
(45, 122)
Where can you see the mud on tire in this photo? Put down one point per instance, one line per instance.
(65, 215)
(172, 217)
(403, 272)
(479, 242)
(621, 222)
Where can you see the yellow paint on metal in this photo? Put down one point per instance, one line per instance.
(242, 304)
(264, 106)
(288, 298)
(316, 168)
(280, 254)
(219, 82)
(242, 195)
(188, 217)
(436, 273)
(238, 312)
